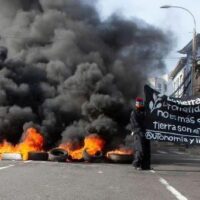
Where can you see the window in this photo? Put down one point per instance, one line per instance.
(159, 87)
(181, 79)
(165, 87)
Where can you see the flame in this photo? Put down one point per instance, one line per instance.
(121, 151)
(93, 143)
(32, 141)
(6, 147)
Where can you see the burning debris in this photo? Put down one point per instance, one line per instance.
(121, 155)
(93, 144)
(58, 154)
(31, 147)
(71, 74)
(31, 141)
(121, 151)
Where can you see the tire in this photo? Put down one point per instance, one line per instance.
(34, 155)
(70, 159)
(11, 156)
(58, 155)
(120, 158)
(89, 158)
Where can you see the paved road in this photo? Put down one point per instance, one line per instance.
(175, 176)
(181, 170)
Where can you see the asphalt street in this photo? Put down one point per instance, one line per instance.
(175, 175)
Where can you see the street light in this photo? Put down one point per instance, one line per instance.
(193, 40)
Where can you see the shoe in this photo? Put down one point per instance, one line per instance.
(138, 168)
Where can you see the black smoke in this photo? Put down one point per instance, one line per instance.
(70, 73)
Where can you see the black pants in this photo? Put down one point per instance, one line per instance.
(142, 152)
(137, 160)
(146, 158)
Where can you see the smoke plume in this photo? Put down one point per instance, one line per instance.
(70, 73)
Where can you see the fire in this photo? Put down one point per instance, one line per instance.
(6, 147)
(92, 143)
(32, 141)
(121, 151)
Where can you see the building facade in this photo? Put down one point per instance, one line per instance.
(159, 83)
(184, 78)
(177, 77)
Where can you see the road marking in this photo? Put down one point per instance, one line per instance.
(27, 161)
(177, 152)
(163, 152)
(6, 167)
(176, 193)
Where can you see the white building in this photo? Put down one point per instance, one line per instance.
(159, 83)
(185, 81)
(177, 78)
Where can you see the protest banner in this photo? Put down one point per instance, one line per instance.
(172, 119)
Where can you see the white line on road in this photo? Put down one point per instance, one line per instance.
(27, 161)
(178, 152)
(177, 194)
(5, 167)
(163, 152)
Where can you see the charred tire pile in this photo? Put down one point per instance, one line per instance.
(70, 159)
(92, 158)
(40, 156)
(57, 154)
(11, 156)
(120, 158)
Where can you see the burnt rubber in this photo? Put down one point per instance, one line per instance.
(58, 154)
(120, 158)
(92, 158)
(41, 156)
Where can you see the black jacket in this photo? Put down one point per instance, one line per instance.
(138, 127)
(138, 121)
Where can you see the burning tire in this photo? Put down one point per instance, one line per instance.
(57, 154)
(120, 158)
(92, 158)
(41, 156)
(70, 159)
(11, 156)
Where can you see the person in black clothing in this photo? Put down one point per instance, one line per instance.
(141, 145)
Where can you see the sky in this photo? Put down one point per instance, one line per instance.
(178, 21)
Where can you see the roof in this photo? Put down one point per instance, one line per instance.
(188, 47)
(181, 63)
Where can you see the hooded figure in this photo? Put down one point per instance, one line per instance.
(141, 145)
